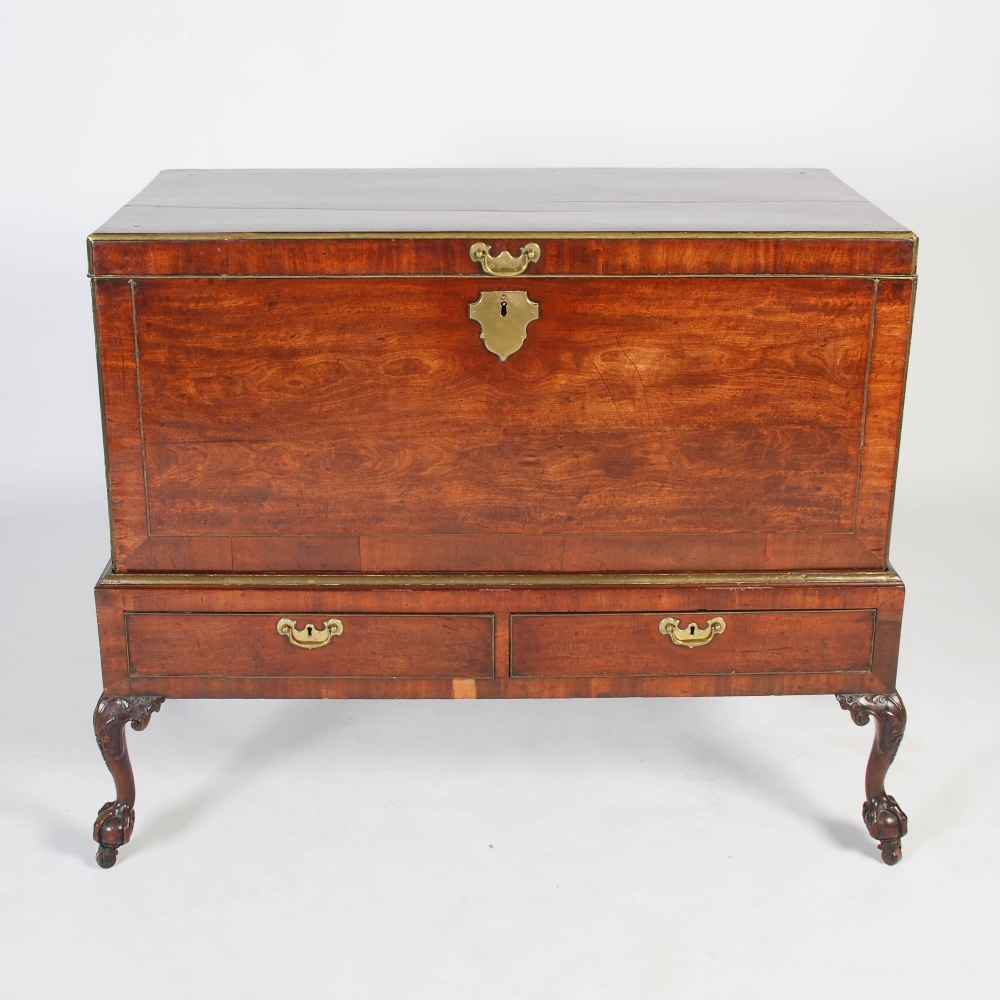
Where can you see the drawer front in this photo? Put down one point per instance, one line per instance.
(645, 424)
(589, 645)
(250, 645)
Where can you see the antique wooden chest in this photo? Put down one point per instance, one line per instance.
(500, 433)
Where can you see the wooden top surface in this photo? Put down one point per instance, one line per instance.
(488, 201)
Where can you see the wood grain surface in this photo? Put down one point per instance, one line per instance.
(297, 408)
(498, 200)
(125, 461)
(318, 422)
(163, 604)
(291, 425)
(248, 645)
(553, 645)
(402, 256)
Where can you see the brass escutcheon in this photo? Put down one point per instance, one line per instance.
(691, 636)
(504, 265)
(504, 319)
(310, 637)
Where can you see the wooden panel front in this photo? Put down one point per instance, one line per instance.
(632, 645)
(360, 424)
(249, 645)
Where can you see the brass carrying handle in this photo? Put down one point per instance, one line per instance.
(691, 636)
(504, 265)
(310, 637)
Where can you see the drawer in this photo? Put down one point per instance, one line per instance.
(582, 645)
(250, 645)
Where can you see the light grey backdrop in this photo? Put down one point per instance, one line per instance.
(617, 849)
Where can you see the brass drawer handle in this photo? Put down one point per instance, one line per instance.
(691, 635)
(504, 265)
(310, 637)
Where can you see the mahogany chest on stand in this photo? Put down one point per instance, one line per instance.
(500, 434)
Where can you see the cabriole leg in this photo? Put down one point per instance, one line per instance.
(114, 823)
(886, 822)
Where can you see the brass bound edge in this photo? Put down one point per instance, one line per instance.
(407, 275)
(485, 581)
(676, 234)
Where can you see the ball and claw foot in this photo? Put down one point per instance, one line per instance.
(112, 829)
(115, 821)
(885, 821)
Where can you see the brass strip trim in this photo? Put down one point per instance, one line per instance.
(742, 612)
(867, 578)
(411, 275)
(902, 409)
(679, 674)
(494, 683)
(138, 389)
(104, 415)
(353, 679)
(901, 235)
(864, 406)
(508, 534)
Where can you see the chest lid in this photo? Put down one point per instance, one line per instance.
(605, 200)
(424, 221)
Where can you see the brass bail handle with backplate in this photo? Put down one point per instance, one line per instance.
(691, 636)
(309, 637)
(504, 265)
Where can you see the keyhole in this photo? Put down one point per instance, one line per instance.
(503, 307)
(309, 630)
(691, 628)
